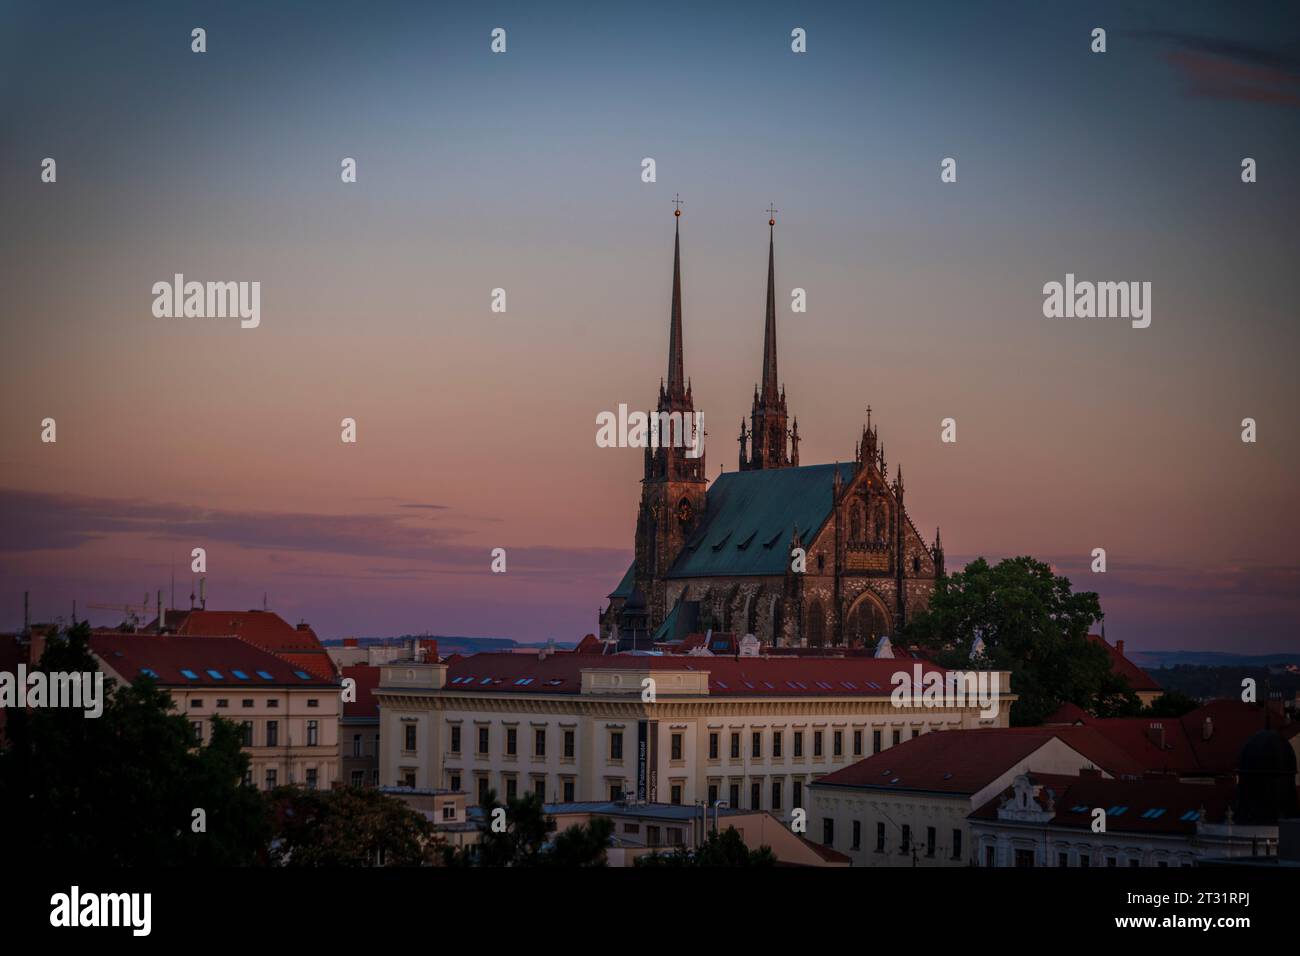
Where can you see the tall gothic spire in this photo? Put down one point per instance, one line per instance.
(769, 331)
(676, 375)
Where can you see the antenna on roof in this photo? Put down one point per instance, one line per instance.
(263, 600)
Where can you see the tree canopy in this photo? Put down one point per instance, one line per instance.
(1030, 622)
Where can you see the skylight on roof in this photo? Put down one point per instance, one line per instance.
(189, 674)
(148, 672)
(1190, 815)
(264, 675)
(722, 685)
(215, 675)
(485, 680)
(1154, 813)
(523, 681)
(1116, 811)
(1081, 808)
(302, 675)
(240, 674)
(849, 684)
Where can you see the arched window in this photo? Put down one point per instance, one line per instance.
(815, 624)
(867, 622)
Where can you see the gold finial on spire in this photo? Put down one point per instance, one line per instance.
(677, 201)
(772, 211)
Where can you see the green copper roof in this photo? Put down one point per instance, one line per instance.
(750, 517)
(624, 589)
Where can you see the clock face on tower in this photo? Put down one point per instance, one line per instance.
(684, 512)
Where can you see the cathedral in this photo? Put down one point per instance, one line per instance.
(797, 555)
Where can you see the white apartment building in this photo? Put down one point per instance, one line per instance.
(752, 732)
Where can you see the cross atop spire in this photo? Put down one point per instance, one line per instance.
(677, 201)
(771, 213)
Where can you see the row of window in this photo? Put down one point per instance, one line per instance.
(902, 833)
(311, 778)
(271, 737)
(1027, 857)
(224, 702)
(676, 745)
(778, 743)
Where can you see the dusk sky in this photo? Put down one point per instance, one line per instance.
(522, 171)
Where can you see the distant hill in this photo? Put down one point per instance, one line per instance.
(1148, 660)
(453, 644)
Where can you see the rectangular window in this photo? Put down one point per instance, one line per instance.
(880, 838)
(713, 794)
(196, 727)
(482, 789)
(828, 832)
(756, 795)
(271, 780)
(817, 743)
(734, 795)
(897, 737)
(313, 733)
(246, 702)
(676, 794)
(756, 746)
(857, 743)
(222, 702)
(356, 745)
(568, 790)
(455, 738)
(273, 733)
(615, 792)
(989, 858)
(931, 838)
(483, 740)
(449, 811)
(616, 745)
(569, 744)
(313, 702)
(539, 742)
(273, 702)
(408, 736)
(906, 846)
(539, 788)
(735, 746)
(857, 835)
(1063, 860)
(776, 794)
(652, 836)
(454, 783)
(956, 844)
(512, 741)
(358, 777)
(798, 743)
(248, 778)
(1025, 859)
(246, 733)
(875, 741)
(512, 788)
(776, 743)
(713, 746)
(311, 778)
(798, 794)
(676, 751)
(837, 743)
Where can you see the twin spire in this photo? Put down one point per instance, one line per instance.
(773, 445)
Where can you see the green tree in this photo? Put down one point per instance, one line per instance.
(718, 849)
(122, 789)
(1032, 624)
(518, 834)
(1171, 703)
(348, 827)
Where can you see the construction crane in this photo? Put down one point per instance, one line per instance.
(132, 614)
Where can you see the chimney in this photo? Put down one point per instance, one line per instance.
(1207, 728)
(1119, 646)
(35, 649)
(1156, 735)
(160, 611)
(203, 600)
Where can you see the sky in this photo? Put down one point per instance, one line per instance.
(523, 171)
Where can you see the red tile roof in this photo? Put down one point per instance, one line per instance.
(265, 629)
(963, 762)
(1185, 749)
(1137, 678)
(561, 673)
(1067, 713)
(1076, 797)
(366, 706)
(167, 656)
